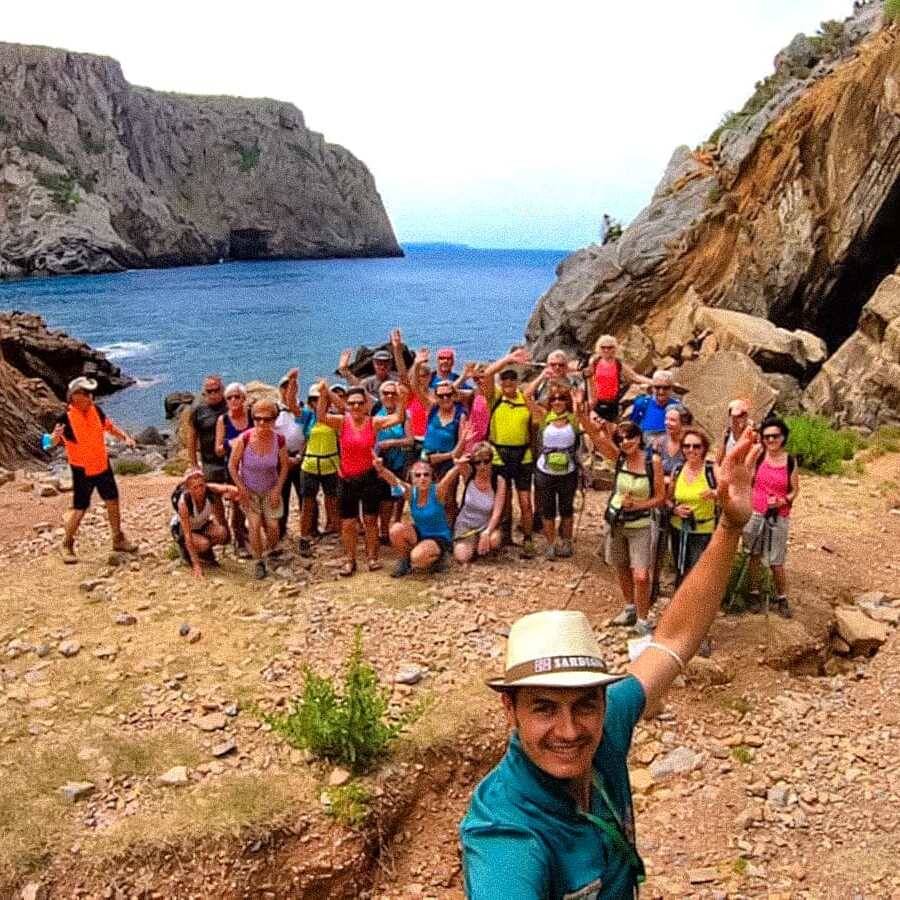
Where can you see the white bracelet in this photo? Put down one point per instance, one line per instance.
(668, 650)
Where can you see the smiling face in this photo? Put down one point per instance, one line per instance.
(444, 363)
(559, 728)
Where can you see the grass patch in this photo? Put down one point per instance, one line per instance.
(173, 552)
(737, 592)
(740, 866)
(346, 726)
(43, 148)
(887, 438)
(742, 754)
(349, 804)
(63, 190)
(131, 467)
(891, 11)
(739, 703)
(148, 755)
(176, 467)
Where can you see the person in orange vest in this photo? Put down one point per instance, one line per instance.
(81, 429)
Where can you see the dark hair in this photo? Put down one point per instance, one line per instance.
(356, 389)
(775, 422)
(627, 430)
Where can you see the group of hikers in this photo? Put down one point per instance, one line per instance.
(455, 450)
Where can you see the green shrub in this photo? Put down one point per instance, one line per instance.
(63, 191)
(249, 156)
(349, 804)
(42, 148)
(888, 438)
(172, 552)
(716, 193)
(740, 866)
(176, 467)
(742, 754)
(891, 11)
(347, 727)
(131, 467)
(818, 447)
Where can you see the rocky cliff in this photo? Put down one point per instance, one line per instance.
(787, 214)
(36, 365)
(97, 175)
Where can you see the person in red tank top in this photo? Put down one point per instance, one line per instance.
(358, 482)
(605, 375)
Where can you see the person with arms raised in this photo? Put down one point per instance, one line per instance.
(555, 819)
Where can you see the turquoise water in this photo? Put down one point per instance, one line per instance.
(169, 327)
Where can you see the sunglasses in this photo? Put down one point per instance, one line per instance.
(773, 436)
(692, 446)
(607, 346)
(356, 403)
(444, 396)
(264, 418)
(388, 393)
(233, 397)
(445, 358)
(625, 437)
(662, 387)
(421, 474)
(558, 399)
(213, 390)
(482, 462)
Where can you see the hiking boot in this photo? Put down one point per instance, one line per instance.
(784, 608)
(564, 550)
(550, 553)
(440, 564)
(275, 552)
(241, 552)
(305, 548)
(403, 568)
(67, 552)
(627, 617)
(260, 571)
(121, 544)
(527, 551)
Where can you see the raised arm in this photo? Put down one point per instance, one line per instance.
(399, 359)
(322, 414)
(599, 434)
(538, 411)
(696, 602)
(344, 368)
(391, 478)
(379, 423)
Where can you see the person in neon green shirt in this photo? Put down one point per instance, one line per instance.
(554, 819)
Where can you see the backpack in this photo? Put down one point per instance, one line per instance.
(181, 490)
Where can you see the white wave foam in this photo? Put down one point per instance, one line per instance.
(126, 349)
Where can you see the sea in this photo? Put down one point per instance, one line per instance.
(248, 321)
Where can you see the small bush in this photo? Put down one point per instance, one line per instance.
(891, 11)
(742, 754)
(249, 156)
(63, 191)
(350, 804)
(716, 193)
(887, 438)
(176, 467)
(172, 552)
(42, 148)
(740, 866)
(131, 467)
(347, 727)
(817, 446)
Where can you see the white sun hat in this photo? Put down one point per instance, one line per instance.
(553, 648)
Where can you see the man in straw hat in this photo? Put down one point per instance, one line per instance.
(554, 819)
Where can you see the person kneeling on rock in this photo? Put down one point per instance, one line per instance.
(82, 429)
(198, 524)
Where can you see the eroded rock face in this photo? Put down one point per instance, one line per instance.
(860, 384)
(97, 175)
(790, 218)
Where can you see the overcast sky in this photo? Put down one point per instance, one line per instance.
(496, 124)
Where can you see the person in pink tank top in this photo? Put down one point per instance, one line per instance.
(775, 488)
(606, 377)
(358, 483)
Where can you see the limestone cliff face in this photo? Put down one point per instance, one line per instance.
(97, 175)
(790, 215)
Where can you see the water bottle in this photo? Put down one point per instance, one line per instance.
(46, 442)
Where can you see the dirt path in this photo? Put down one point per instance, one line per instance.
(790, 781)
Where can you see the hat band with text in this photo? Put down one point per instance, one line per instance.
(544, 664)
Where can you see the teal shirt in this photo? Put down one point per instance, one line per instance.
(523, 837)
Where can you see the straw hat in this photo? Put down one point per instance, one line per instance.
(554, 648)
(81, 384)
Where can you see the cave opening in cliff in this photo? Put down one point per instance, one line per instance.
(872, 257)
(248, 243)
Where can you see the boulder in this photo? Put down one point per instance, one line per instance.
(710, 384)
(859, 385)
(176, 401)
(772, 348)
(863, 635)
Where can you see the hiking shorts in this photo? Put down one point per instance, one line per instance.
(310, 484)
(259, 504)
(556, 494)
(360, 490)
(763, 539)
(608, 410)
(629, 548)
(519, 474)
(83, 486)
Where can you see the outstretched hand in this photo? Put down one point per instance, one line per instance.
(735, 480)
